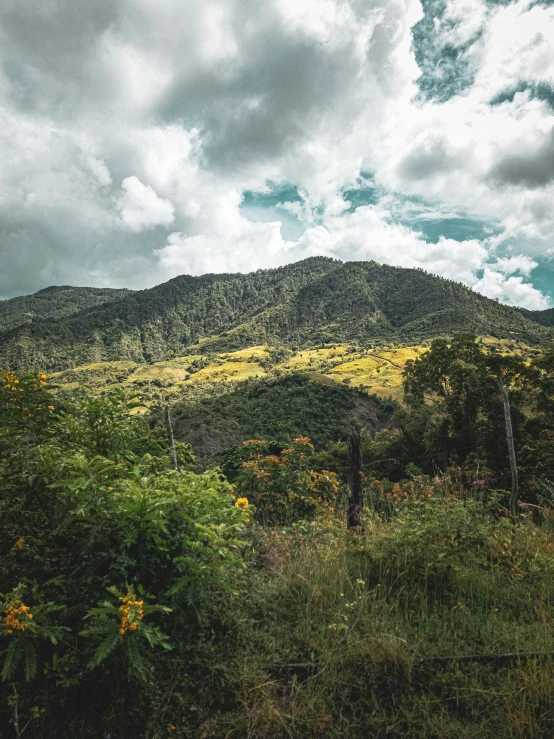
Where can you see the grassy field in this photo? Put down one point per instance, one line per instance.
(375, 371)
(341, 634)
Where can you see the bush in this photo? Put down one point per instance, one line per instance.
(283, 486)
(92, 513)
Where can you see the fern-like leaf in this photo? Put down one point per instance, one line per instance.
(105, 648)
(13, 655)
(30, 661)
(137, 666)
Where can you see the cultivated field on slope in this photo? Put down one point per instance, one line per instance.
(375, 371)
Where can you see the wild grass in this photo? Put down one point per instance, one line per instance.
(230, 371)
(380, 371)
(336, 629)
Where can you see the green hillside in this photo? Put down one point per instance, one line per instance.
(53, 304)
(144, 593)
(294, 405)
(544, 317)
(315, 301)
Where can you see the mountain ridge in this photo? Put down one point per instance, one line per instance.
(53, 303)
(316, 300)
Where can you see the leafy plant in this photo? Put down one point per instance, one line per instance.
(23, 627)
(283, 487)
(122, 625)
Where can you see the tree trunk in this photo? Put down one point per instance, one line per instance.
(511, 448)
(171, 439)
(355, 481)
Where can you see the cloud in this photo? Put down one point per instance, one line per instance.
(121, 120)
(532, 166)
(365, 234)
(521, 263)
(141, 208)
(512, 290)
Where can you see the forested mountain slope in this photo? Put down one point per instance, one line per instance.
(54, 303)
(544, 317)
(313, 301)
(284, 408)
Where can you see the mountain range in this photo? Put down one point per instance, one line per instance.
(308, 303)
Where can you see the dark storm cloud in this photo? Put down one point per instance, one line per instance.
(262, 103)
(533, 169)
(48, 48)
(428, 160)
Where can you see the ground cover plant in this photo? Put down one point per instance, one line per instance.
(140, 598)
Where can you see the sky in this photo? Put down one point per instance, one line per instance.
(140, 140)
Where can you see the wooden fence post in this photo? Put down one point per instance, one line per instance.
(511, 448)
(355, 481)
(171, 439)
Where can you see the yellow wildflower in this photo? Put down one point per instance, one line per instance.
(130, 607)
(241, 503)
(17, 617)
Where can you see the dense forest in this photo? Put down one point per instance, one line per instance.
(148, 592)
(54, 303)
(318, 300)
(544, 317)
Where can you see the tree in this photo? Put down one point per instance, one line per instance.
(466, 386)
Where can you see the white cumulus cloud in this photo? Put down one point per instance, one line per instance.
(202, 101)
(141, 208)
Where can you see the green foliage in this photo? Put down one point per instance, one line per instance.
(24, 626)
(455, 408)
(544, 317)
(87, 504)
(54, 303)
(348, 620)
(144, 601)
(285, 488)
(282, 409)
(314, 301)
(122, 625)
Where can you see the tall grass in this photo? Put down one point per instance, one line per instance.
(336, 629)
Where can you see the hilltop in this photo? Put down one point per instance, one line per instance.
(305, 304)
(54, 303)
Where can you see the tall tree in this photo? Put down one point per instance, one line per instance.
(466, 384)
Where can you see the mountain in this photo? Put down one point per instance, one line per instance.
(53, 303)
(543, 317)
(315, 301)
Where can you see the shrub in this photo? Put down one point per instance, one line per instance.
(283, 487)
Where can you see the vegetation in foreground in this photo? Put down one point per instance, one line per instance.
(143, 600)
